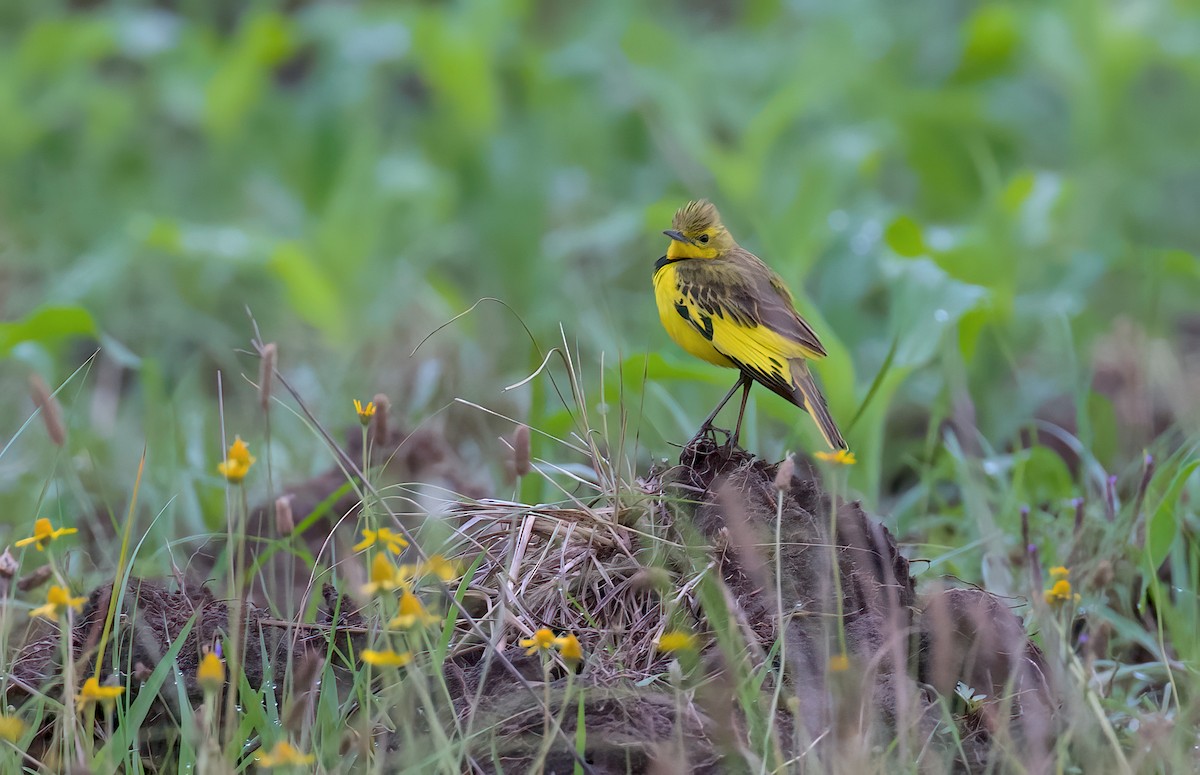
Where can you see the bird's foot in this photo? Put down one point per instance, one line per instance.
(710, 432)
(709, 443)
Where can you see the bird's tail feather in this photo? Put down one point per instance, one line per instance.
(814, 404)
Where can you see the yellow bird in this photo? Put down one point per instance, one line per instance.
(721, 303)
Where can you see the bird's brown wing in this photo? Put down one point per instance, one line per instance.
(744, 310)
(748, 293)
(738, 306)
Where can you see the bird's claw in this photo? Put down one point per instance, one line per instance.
(710, 432)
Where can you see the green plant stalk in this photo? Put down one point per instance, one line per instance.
(121, 561)
(237, 625)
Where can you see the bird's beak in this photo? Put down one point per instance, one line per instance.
(678, 236)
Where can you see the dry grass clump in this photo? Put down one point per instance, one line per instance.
(590, 570)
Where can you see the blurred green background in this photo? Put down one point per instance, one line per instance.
(982, 207)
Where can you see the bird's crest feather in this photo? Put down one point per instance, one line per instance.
(695, 217)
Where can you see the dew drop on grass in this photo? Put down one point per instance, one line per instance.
(941, 315)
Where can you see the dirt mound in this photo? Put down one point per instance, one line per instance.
(867, 660)
(153, 620)
(808, 594)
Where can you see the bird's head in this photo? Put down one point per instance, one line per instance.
(697, 232)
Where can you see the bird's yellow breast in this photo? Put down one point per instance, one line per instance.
(669, 300)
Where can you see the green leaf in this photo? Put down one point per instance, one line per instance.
(970, 326)
(904, 236)
(1102, 422)
(458, 66)
(264, 41)
(311, 293)
(1181, 263)
(46, 325)
(991, 36)
(926, 303)
(57, 45)
(1044, 476)
(1017, 191)
(1164, 522)
(980, 262)
(655, 367)
(875, 383)
(580, 732)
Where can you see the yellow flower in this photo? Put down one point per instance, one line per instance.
(542, 640)
(569, 648)
(93, 692)
(439, 566)
(11, 728)
(237, 463)
(284, 755)
(384, 535)
(412, 613)
(387, 658)
(1060, 572)
(1060, 593)
(677, 640)
(841, 457)
(839, 663)
(58, 597)
(43, 533)
(365, 413)
(384, 576)
(211, 673)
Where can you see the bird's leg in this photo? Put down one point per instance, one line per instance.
(708, 421)
(737, 429)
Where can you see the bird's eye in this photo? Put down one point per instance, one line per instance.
(704, 238)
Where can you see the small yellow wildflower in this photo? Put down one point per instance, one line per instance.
(211, 673)
(387, 658)
(677, 640)
(365, 413)
(11, 728)
(284, 755)
(439, 566)
(412, 613)
(384, 535)
(569, 648)
(384, 576)
(93, 692)
(1060, 593)
(58, 597)
(43, 533)
(237, 463)
(1060, 572)
(542, 640)
(839, 663)
(406, 574)
(841, 457)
